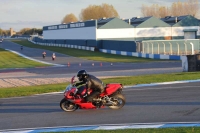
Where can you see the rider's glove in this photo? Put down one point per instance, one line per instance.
(85, 95)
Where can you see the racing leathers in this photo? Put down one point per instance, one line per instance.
(91, 82)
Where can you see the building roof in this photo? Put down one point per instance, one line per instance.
(146, 22)
(114, 23)
(135, 21)
(103, 21)
(171, 20)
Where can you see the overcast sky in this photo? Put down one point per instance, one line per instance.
(18, 14)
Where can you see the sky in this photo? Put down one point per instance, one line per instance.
(19, 14)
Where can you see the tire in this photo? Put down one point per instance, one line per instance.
(67, 106)
(119, 91)
(120, 101)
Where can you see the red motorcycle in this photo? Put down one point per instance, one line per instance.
(111, 97)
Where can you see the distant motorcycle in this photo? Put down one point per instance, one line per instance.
(44, 55)
(111, 97)
(53, 56)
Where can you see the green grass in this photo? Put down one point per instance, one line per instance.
(132, 80)
(154, 130)
(98, 56)
(11, 60)
(154, 78)
(31, 90)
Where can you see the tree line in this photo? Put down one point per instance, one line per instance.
(189, 7)
(30, 31)
(4, 32)
(24, 31)
(92, 12)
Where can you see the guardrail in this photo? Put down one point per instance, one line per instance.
(171, 47)
(142, 55)
(64, 45)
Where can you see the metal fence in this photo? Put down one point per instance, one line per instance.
(170, 47)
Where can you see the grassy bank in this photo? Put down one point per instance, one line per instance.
(98, 56)
(132, 80)
(11, 60)
(31, 90)
(157, 130)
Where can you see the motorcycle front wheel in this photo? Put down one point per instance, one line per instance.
(118, 101)
(67, 105)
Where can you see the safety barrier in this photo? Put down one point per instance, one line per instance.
(135, 54)
(142, 55)
(64, 45)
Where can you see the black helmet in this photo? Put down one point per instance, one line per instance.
(81, 75)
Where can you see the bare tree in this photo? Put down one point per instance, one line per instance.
(154, 10)
(147, 10)
(69, 18)
(193, 7)
(163, 11)
(98, 11)
(180, 8)
(190, 7)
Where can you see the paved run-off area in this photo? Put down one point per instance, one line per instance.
(16, 79)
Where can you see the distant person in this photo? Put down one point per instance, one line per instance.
(53, 56)
(44, 54)
(21, 47)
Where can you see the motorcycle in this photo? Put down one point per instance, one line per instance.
(111, 97)
(53, 56)
(43, 55)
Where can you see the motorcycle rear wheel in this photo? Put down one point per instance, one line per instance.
(68, 106)
(119, 101)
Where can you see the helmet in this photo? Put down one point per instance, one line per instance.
(81, 75)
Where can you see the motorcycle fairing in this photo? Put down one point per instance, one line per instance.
(111, 88)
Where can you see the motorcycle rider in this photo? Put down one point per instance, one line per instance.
(44, 54)
(91, 82)
(21, 47)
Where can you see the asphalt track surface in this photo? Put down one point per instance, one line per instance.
(46, 75)
(162, 103)
(85, 64)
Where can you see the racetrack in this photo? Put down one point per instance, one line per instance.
(56, 74)
(162, 103)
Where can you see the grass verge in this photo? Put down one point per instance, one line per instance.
(89, 55)
(132, 80)
(31, 90)
(11, 60)
(156, 130)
